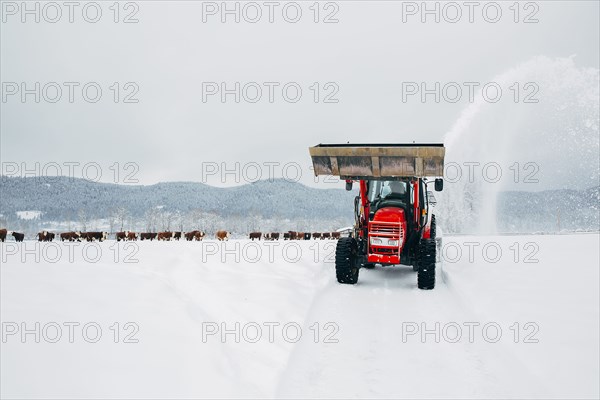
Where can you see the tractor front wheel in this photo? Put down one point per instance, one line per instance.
(346, 266)
(426, 273)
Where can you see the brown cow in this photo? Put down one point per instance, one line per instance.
(3, 233)
(325, 235)
(45, 236)
(71, 236)
(272, 236)
(132, 236)
(165, 235)
(121, 235)
(194, 235)
(199, 235)
(300, 235)
(316, 235)
(222, 235)
(255, 235)
(335, 235)
(148, 236)
(169, 235)
(189, 236)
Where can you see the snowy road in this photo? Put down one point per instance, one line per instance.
(511, 316)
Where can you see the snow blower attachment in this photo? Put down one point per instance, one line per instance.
(394, 224)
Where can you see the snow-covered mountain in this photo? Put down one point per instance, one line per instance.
(176, 205)
(265, 205)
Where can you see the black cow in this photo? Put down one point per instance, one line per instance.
(148, 236)
(255, 235)
(91, 236)
(18, 236)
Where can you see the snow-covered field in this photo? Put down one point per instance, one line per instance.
(517, 324)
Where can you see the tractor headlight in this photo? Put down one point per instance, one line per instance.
(375, 241)
(392, 242)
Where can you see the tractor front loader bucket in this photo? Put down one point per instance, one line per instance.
(378, 161)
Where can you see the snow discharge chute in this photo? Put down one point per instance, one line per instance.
(378, 161)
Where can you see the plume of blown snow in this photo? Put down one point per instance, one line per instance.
(550, 141)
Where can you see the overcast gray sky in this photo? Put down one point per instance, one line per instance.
(364, 61)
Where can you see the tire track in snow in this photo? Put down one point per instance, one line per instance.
(371, 359)
(241, 362)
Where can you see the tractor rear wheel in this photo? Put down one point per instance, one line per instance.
(346, 267)
(426, 273)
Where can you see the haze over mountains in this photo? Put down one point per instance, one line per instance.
(178, 205)
(33, 203)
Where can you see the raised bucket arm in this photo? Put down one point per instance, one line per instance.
(378, 161)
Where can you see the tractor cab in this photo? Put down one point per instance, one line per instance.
(388, 194)
(393, 224)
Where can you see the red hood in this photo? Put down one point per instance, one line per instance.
(390, 214)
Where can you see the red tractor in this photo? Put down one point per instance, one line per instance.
(394, 224)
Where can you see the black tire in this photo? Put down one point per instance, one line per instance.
(432, 233)
(426, 273)
(369, 266)
(346, 268)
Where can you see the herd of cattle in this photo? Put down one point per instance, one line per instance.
(291, 235)
(78, 236)
(46, 236)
